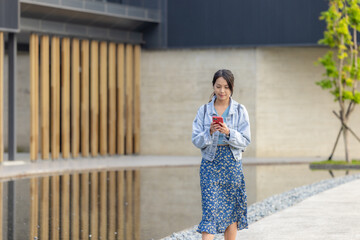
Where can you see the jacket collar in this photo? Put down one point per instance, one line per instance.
(212, 107)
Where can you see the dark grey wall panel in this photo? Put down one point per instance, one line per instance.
(210, 23)
(9, 15)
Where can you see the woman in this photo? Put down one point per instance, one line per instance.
(224, 202)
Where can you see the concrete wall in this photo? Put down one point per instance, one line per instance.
(290, 116)
(175, 83)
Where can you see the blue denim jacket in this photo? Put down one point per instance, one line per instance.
(237, 121)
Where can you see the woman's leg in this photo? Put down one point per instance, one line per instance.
(230, 232)
(207, 236)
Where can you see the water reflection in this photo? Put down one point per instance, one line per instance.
(96, 205)
(106, 204)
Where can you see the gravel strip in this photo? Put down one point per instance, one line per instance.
(273, 204)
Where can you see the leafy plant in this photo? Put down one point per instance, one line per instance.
(341, 63)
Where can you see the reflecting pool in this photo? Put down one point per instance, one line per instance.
(145, 203)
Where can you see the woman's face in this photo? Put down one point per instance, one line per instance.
(221, 89)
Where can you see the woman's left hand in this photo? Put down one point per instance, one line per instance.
(223, 128)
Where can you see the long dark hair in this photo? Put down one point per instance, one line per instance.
(228, 76)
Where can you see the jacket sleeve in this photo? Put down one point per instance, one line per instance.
(200, 135)
(241, 137)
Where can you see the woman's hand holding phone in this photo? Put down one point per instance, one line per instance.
(219, 126)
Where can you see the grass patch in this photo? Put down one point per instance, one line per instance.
(337, 162)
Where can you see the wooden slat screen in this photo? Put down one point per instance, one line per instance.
(85, 121)
(45, 97)
(55, 97)
(94, 90)
(65, 97)
(75, 97)
(129, 99)
(34, 102)
(120, 99)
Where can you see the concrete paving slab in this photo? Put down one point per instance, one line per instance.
(332, 215)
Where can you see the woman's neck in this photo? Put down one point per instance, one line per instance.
(222, 103)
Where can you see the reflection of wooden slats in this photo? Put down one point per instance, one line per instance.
(103, 205)
(65, 207)
(65, 84)
(94, 223)
(75, 203)
(1, 100)
(120, 204)
(44, 212)
(103, 98)
(55, 97)
(137, 52)
(55, 208)
(112, 98)
(129, 205)
(34, 94)
(120, 99)
(114, 212)
(85, 98)
(1, 202)
(94, 97)
(137, 204)
(85, 206)
(45, 97)
(112, 206)
(34, 196)
(75, 98)
(129, 99)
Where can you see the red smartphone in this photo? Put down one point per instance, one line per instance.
(217, 119)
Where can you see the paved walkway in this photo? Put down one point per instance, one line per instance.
(331, 215)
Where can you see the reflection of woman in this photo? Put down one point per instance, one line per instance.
(224, 202)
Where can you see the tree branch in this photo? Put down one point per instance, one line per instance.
(346, 126)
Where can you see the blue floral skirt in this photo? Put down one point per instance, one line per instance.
(223, 193)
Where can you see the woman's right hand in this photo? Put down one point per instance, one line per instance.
(214, 127)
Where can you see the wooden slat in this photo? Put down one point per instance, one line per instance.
(94, 219)
(45, 97)
(55, 208)
(65, 97)
(75, 204)
(1, 206)
(55, 97)
(103, 98)
(129, 99)
(137, 58)
(137, 204)
(85, 98)
(103, 205)
(94, 98)
(44, 203)
(120, 88)
(75, 97)
(112, 206)
(129, 206)
(34, 84)
(1, 99)
(120, 205)
(65, 207)
(84, 206)
(34, 196)
(112, 98)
